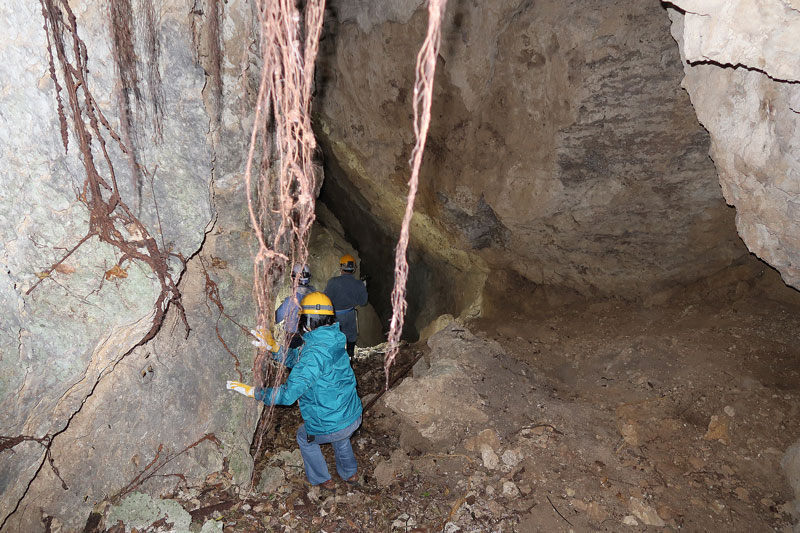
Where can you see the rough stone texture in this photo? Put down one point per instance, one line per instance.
(645, 513)
(791, 468)
(442, 405)
(138, 511)
(732, 33)
(272, 478)
(442, 408)
(742, 64)
(562, 148)
(212, 526)
(290, 459)
(368, 13)
(487, 437)
(434, 326)
(68, 366)
(386, 472)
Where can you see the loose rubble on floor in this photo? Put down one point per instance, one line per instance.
(600, 417)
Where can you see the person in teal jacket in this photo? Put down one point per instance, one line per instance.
(324, 385)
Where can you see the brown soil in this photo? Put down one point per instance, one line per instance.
(701, 401)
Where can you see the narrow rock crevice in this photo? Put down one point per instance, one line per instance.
(48, 440)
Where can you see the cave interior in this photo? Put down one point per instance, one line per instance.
(603, 306)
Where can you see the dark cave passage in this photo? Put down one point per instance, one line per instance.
(431, 292)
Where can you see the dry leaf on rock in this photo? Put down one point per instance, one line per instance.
(64, 269)
(116, 272)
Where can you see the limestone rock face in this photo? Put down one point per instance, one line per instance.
(742, 65)
(75, 374)
(760, 34)
(562, 147)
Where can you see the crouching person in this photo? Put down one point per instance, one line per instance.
(323, 384)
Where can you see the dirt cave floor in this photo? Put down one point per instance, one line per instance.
(671, 417)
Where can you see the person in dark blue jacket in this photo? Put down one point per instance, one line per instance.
(287, 312)
(347, 293)
(323, 384)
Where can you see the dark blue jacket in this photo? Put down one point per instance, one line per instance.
(346, 292)
(321, 381)
(288, 310)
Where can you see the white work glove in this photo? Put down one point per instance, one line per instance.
(241, 388)
(264, 339)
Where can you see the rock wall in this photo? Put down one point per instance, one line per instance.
(74, 372)
(562, 148)
(742, 68)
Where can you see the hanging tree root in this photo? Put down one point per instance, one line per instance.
(108, 212)
(7, 443)
(212, 293)
(281, 199)
(423, 98)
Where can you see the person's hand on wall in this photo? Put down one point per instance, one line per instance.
(241, 388)
(264, 339)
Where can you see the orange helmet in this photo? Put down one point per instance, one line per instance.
(347, 263)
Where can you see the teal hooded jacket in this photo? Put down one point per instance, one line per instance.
(321, 381)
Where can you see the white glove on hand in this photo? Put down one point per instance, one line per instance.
(264, 340)
(241, 388)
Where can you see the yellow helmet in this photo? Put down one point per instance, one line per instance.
(316, 303)
(347, 263)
